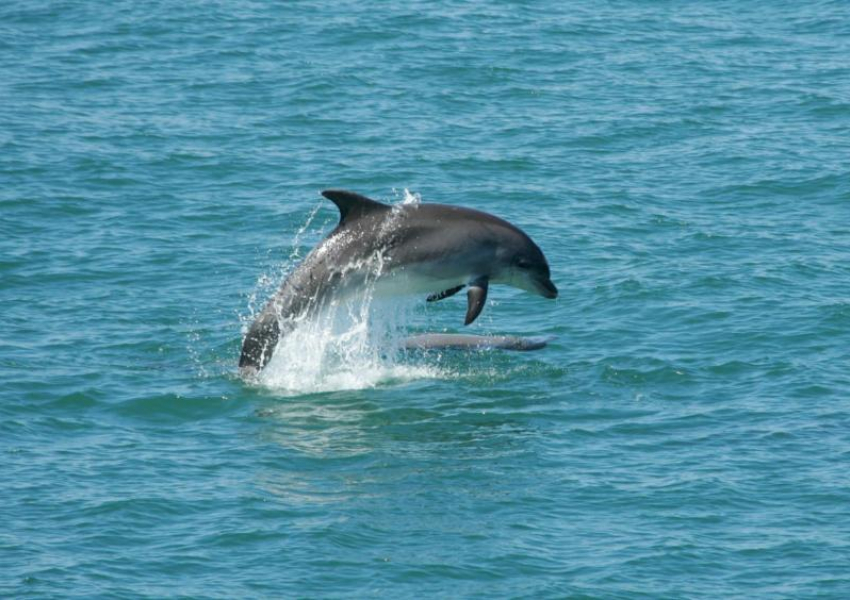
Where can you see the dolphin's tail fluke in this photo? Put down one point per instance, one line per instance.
(259, 344)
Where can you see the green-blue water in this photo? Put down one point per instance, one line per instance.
(684, 166)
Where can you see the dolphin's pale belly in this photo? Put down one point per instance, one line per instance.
(365, 277)
(417, 280)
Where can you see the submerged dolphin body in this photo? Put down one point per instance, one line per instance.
(424, 248)
(459, 341)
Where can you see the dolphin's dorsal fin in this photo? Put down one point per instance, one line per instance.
(352, 206)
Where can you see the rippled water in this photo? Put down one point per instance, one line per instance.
(683, 165)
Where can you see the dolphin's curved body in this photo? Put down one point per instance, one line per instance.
(422, 248)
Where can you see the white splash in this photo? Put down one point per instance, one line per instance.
(265, 285)
(353, 344)
(411, 197)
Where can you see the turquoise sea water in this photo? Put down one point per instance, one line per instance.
(684, 166)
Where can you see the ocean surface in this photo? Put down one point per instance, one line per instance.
(685, 166)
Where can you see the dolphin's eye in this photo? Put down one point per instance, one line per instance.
(523, 264)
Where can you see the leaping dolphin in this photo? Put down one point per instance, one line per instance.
(421, 248)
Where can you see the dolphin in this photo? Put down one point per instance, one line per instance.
(458, 341)
(421, 248)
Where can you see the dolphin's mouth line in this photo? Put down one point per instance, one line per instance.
(548, 289)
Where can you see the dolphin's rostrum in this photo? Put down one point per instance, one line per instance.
(423, 248)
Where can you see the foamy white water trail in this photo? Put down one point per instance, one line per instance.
(353, 344)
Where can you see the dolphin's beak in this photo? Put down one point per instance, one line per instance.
(547, 289)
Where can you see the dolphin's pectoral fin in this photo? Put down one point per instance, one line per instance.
(477, 296)
(444, 294)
